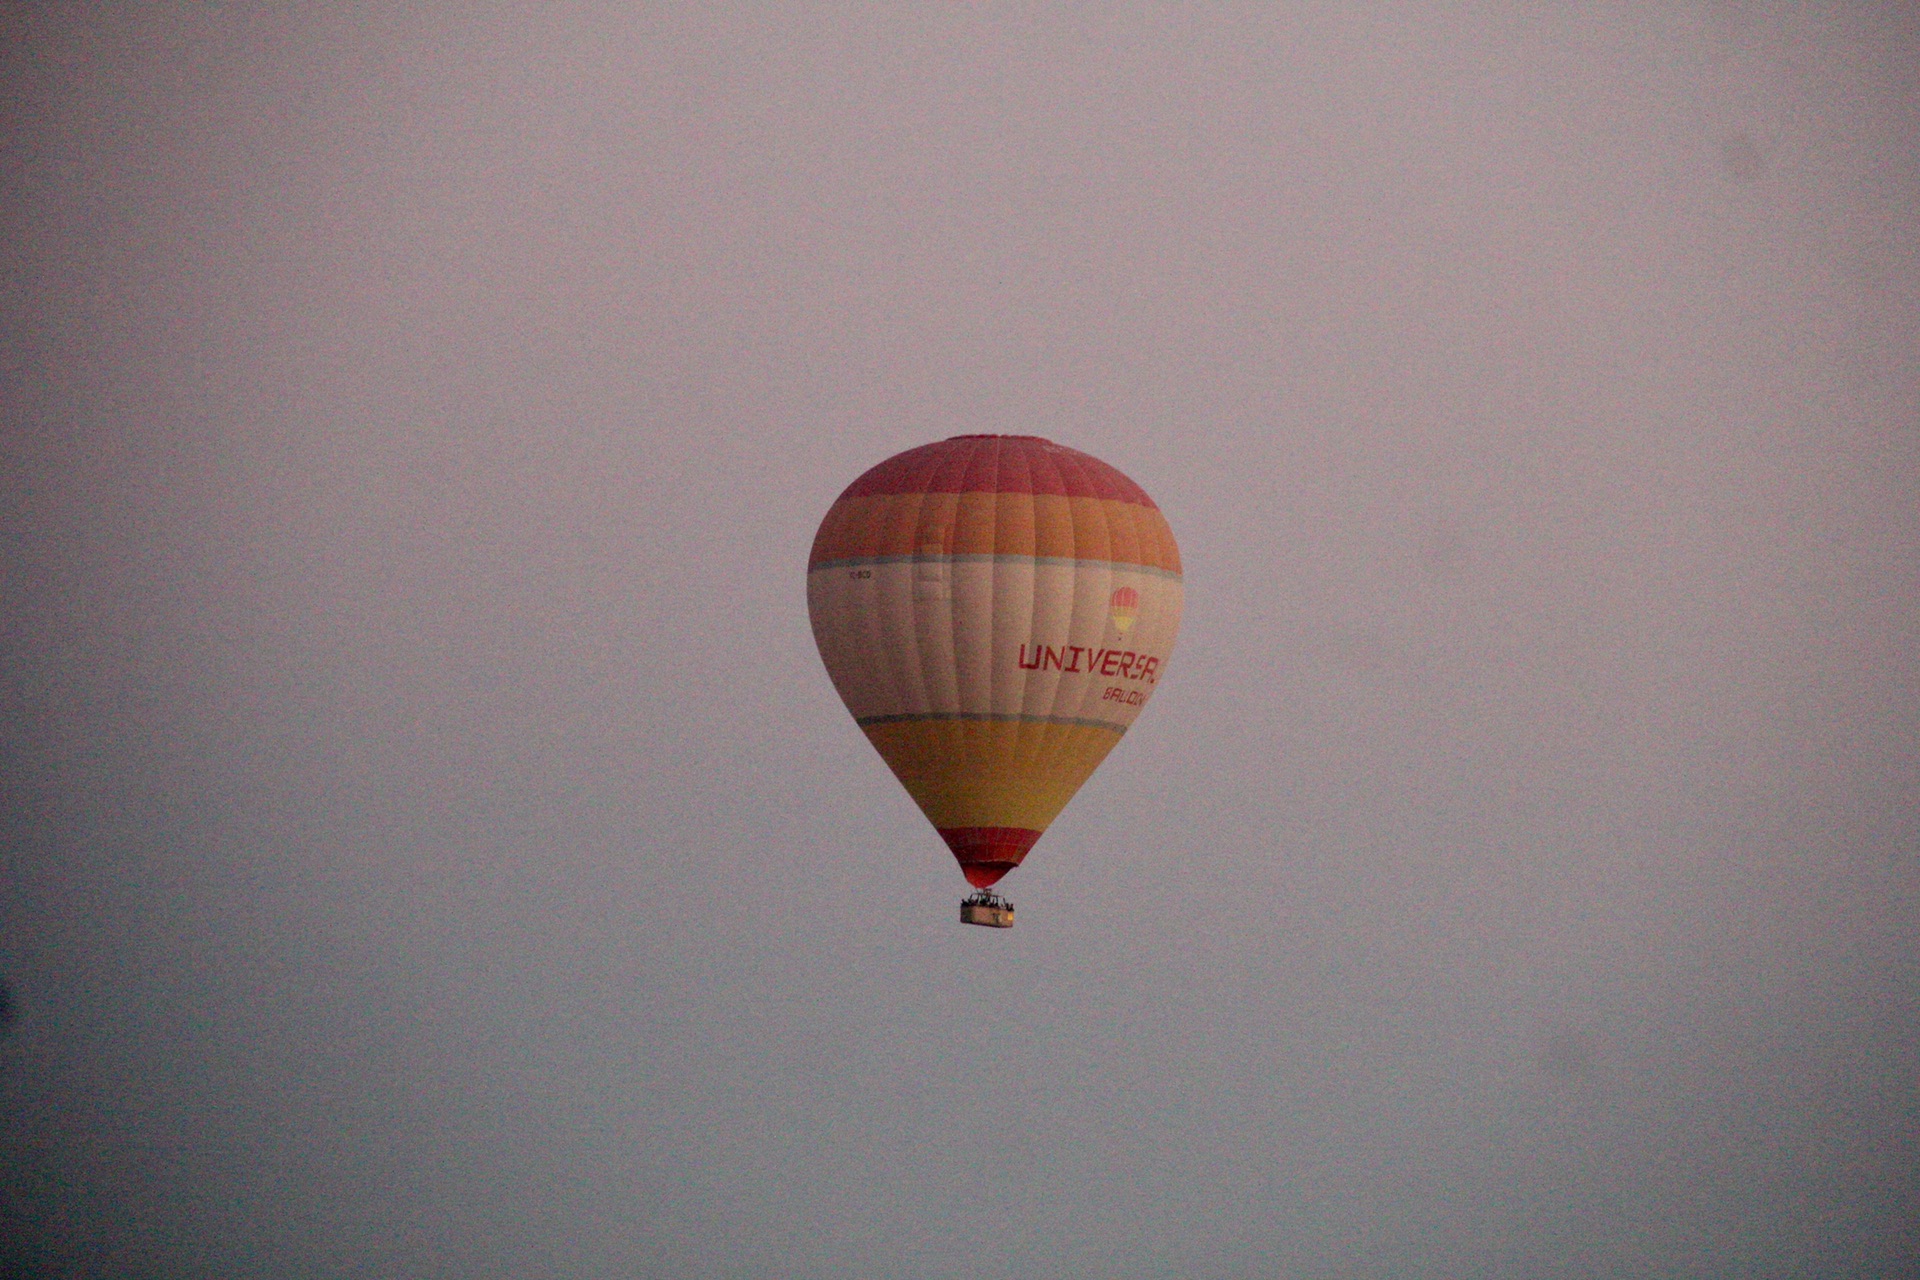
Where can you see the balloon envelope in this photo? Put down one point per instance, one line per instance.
(995, 611)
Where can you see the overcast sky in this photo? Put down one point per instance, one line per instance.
(433, 846)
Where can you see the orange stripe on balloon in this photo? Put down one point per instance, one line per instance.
(996, 524)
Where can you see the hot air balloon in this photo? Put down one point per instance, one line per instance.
(994, 611)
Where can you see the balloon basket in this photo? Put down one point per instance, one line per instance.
(988, 909)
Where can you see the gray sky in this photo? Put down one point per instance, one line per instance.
(434, 849)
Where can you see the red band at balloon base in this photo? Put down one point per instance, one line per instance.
(987, 853)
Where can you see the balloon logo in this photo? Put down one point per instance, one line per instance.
(960, 595)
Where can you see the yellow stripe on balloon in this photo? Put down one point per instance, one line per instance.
(991, 773)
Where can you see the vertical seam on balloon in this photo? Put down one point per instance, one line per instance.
(1037, 459)
(882, 650)
(1052, 741)
(945, 530)
(993, 580)
(1039, 739)
(879, 654)
(1105, 508)
(1023, 744)
(918, 664)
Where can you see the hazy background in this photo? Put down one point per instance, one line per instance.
(433, 847)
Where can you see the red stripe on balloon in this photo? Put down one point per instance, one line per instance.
(987, 853)
(998, 464)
